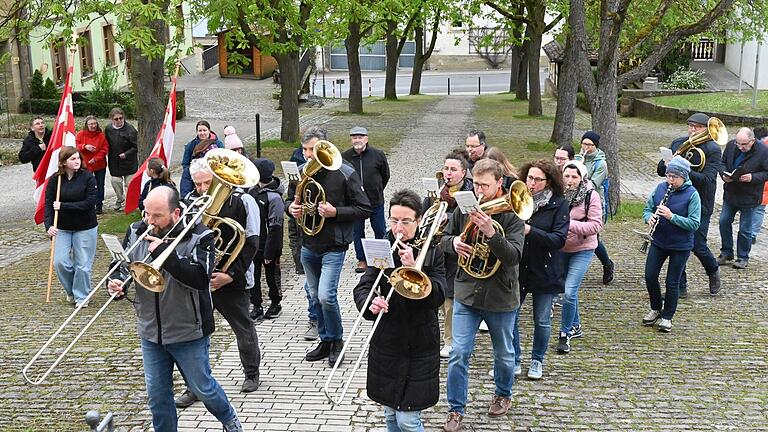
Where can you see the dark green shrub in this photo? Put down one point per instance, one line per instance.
(50, 91)
(36, 86)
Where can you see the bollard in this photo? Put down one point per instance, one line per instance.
(258, 135)
(478, 84)
(333, 88)
(369, 88)
(449, 86)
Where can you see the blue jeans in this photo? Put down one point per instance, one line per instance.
(403, 421)
(466, 321)
(100, 176)
(757, 220)
(653, 263)
(701, 251)
(192, 360)
(379, 225)
(744, 239)
(542, 326)
(323, 271)
(73, 260)
(311, 305)
(576, 264)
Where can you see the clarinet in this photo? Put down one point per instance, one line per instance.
(649, 236)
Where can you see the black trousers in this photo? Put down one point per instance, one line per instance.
(232, 304)
(294, 241)
(272, 275)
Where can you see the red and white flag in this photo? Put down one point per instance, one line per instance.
(162, 149)
(63, 135)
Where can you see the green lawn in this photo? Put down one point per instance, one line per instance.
(727, 103)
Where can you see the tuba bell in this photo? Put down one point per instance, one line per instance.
(716, 132)
(309, 193)
(482, 264)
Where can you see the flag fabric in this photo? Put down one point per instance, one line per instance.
(163, 148)
(63, 135)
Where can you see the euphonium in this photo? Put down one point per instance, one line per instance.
(309, 193)
(482, 264)
(716, 132)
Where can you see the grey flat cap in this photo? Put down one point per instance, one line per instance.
(699, 118)
(357, 130)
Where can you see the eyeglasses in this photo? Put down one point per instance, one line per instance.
(561, 159)
(404, 222)
(536, 179)
(673, 176)
(585, 144)
(117, 119)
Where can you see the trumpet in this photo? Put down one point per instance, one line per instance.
(374, 290)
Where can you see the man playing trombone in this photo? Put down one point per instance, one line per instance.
(175, 325)
(404, 359)
(494, 299)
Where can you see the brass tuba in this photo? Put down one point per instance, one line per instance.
(716, 132)
(309, 193)
(230, 170)
(482, 264)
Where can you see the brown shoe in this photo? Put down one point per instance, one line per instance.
(361, 267)
(499, 406)
(453, 423)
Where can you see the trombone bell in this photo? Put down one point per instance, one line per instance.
(410, 283)
(147, 276)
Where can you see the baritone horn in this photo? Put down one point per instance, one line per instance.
(309, 193)
(482, 264)
(716, 132)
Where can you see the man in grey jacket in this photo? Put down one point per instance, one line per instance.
(175, 324)
(494, 300)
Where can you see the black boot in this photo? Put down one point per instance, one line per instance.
(714, 282)
(608, 272)
(322, 351)
(336, 348)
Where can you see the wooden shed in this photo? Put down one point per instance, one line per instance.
(261, 66)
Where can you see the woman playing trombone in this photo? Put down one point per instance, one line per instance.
(404, 360)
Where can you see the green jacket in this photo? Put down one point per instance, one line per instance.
(500, 292)
(597, 169)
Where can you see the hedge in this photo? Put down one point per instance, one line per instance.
(84, 108)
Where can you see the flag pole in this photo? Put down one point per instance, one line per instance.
(72, 50)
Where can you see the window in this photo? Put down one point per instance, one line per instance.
(59, 57)
(86, 53)
(109, 46)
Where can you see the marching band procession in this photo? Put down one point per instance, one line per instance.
(461, 253)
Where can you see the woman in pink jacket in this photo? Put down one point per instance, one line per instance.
(586, 222)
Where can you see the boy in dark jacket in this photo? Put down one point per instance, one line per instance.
(269, 197)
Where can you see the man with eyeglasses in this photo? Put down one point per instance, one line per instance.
(494, 300)
(745, 172)
(123, 157)
(705, 182)
(476, 146)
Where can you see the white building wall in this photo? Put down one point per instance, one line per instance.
(734, 55)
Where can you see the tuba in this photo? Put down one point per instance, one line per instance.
(230, 170)
(309, 193)
(716, 132)
(482, 264)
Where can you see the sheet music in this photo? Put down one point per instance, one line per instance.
(291, 170)
(115, 247)
(466, 201)
(666, 154)
(430, 184)
(378, 253)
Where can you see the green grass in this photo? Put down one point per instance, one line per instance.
(117, 223)
(726, 103)
(629, 211)
(8, 157)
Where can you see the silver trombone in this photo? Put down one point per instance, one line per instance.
(374, 290)
(198, 207)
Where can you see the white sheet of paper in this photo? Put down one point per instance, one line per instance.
(291, 170)
(377, 253)
(114, 246)
(466, 201)
(430, 184)
(666, 153)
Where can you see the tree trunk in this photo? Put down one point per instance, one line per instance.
(390, 81)
(289, 95)
(534, 81)
(604, 118)
(568, 79)
(418, 61)
(514, 67)
(352, 44)
(522, 76)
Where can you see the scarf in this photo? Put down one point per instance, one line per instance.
(540, 199)
(576, 196)
(446, 195)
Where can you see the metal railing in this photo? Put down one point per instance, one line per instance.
(210, 57)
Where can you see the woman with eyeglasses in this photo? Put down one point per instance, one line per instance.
(562, 155)
(586, 213)
(674, 208)
(403, 360)
(541, 273)
(456, 179)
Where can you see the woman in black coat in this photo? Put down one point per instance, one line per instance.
(404, 360)
(35, 143)
(541, 267)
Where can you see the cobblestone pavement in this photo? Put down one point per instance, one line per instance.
(710, 373)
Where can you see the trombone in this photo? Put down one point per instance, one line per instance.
(374, 290)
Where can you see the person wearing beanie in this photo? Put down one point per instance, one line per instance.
(745, 171)
(597, 172)
(674, 208)
(232, 141)
(269, 197)
(705, 181)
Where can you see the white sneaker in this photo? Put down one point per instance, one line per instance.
(483, 326)
(518, 371)
(445, 352)
(651, 317)
(536, 370)
(665, 325)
